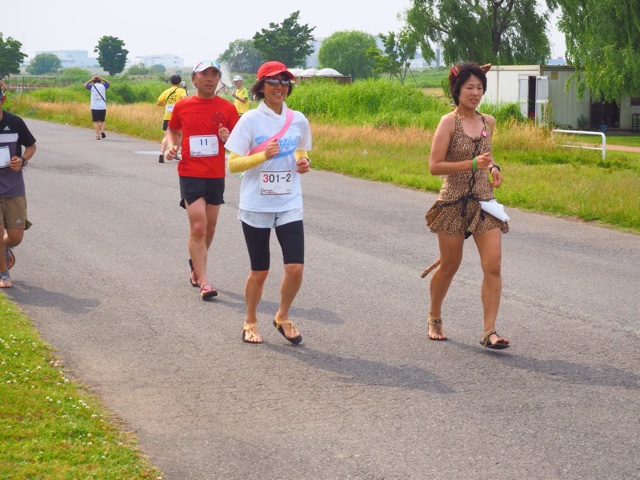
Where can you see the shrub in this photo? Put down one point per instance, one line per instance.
(583, 122)
(503, 112)
(368, 102)
(75, 74)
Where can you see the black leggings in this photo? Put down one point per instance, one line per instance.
(291, 239)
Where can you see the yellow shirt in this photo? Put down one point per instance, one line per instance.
(241, 107)
(169, 97)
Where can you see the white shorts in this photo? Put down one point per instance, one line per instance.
(269, 219)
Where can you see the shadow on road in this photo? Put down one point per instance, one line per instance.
(320, 315)
(28, 295)
(559, 370)
(359, 371)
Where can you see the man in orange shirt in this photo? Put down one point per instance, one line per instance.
(203, 122)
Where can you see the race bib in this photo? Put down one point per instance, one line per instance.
(203, 145)
(5, 157)
(169, 107)
(275, 182)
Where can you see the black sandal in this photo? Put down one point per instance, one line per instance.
(496, 346)
(207, 294)
(278, 324)
(248, 335)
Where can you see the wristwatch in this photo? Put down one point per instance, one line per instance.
(24, 161)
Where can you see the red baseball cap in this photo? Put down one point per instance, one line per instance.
(271, 69)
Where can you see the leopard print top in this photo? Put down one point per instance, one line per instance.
(457, 211)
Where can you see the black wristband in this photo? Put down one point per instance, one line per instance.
(495, 165)
(24, 161)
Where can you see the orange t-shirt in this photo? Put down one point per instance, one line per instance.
(199, 120)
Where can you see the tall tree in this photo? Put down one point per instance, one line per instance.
(346, 52)
(10, 56)
(399, 51)
(494, 31)
(603, 42)
(112, 56)
(241, 56)
(288, 42)
(44, 63)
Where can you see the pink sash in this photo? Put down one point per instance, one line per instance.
(263, 146)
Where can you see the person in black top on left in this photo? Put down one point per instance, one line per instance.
(14, 135)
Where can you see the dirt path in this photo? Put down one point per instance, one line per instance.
(623, 148)
(619, 148)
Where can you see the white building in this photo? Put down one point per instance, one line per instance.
(168, 61)
(537, 87)
(73, 58)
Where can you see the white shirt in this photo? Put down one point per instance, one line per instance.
(255, 127)
(98, 102)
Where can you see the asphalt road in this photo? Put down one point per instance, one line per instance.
(103, 274)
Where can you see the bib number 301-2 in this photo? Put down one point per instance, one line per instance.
(275, 182)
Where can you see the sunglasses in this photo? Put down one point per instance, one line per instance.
(274, 82)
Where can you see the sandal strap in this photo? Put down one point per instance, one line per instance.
(284, 322)
(437, 325)
(485, 337)
(248, 327)
(11, 258)
(5, 275)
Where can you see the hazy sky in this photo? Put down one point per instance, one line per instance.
(194, 29)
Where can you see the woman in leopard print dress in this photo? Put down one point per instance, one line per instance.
(461, 152)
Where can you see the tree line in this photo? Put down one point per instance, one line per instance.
(602, 42)
(112, 57)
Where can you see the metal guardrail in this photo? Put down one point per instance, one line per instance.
(24, 83)
(581, 132)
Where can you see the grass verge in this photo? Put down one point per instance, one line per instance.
(50, 426)
(538, 176)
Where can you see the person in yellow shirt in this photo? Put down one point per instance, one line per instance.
(168, 99)
(240, 96)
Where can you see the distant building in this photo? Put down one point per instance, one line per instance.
(535, 87)
(327, 73)
(557, 61)
(73, 58)
(166, 60)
